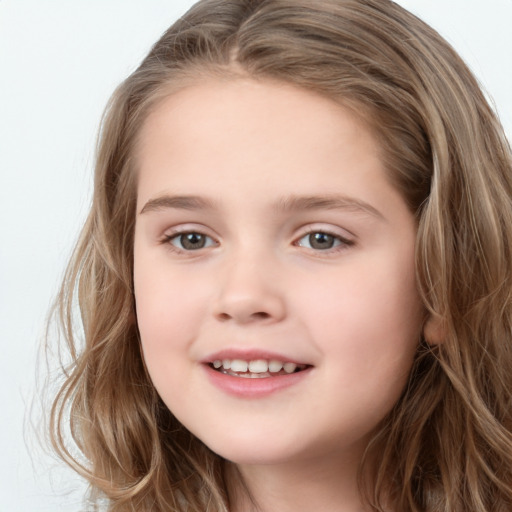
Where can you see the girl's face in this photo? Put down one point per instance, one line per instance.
(268, 235)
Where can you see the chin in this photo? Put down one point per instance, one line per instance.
(259, 449)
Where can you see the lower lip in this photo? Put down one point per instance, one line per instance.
(254, 388)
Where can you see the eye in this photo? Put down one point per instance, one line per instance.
(190, 241)
(322, 241)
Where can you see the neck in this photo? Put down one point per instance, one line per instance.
(325, 484)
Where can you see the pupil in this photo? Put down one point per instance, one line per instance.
(192, 241)
(321, 241)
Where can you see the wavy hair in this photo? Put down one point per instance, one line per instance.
(447, 444)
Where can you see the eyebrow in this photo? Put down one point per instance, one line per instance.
(328, 202)
(286, 204)
(178, 202)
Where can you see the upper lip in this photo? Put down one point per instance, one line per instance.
(250, 355)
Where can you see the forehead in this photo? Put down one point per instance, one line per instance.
(256, 127)
(214, 103)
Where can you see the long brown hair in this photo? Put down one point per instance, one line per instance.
(447, 444)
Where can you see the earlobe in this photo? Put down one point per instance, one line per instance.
(434, 330)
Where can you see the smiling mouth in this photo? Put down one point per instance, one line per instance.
(256, 369)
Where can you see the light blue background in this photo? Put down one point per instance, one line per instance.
(59, 62)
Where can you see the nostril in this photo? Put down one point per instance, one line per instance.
(260, 315)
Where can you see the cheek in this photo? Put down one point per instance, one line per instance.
(168, 316)
(369, 320)
(169, 309)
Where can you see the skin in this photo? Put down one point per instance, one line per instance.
(351, 311)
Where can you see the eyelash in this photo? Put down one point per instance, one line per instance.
(169, 238)
(341, 243)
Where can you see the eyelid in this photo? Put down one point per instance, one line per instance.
(345, 241)
(183, 229)
(188, 227)
(173, 238)
(320, 227)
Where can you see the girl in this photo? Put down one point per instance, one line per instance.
(295, 278)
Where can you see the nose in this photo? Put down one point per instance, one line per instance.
(250, 291)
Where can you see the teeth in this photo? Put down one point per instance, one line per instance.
(237, 365)
(275, 366)
(253, 375)
(289, 367)
(256, 368)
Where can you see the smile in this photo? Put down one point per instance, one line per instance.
(256, 369)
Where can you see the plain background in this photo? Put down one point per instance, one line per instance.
(59, 62)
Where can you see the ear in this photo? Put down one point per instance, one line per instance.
(434, 330)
